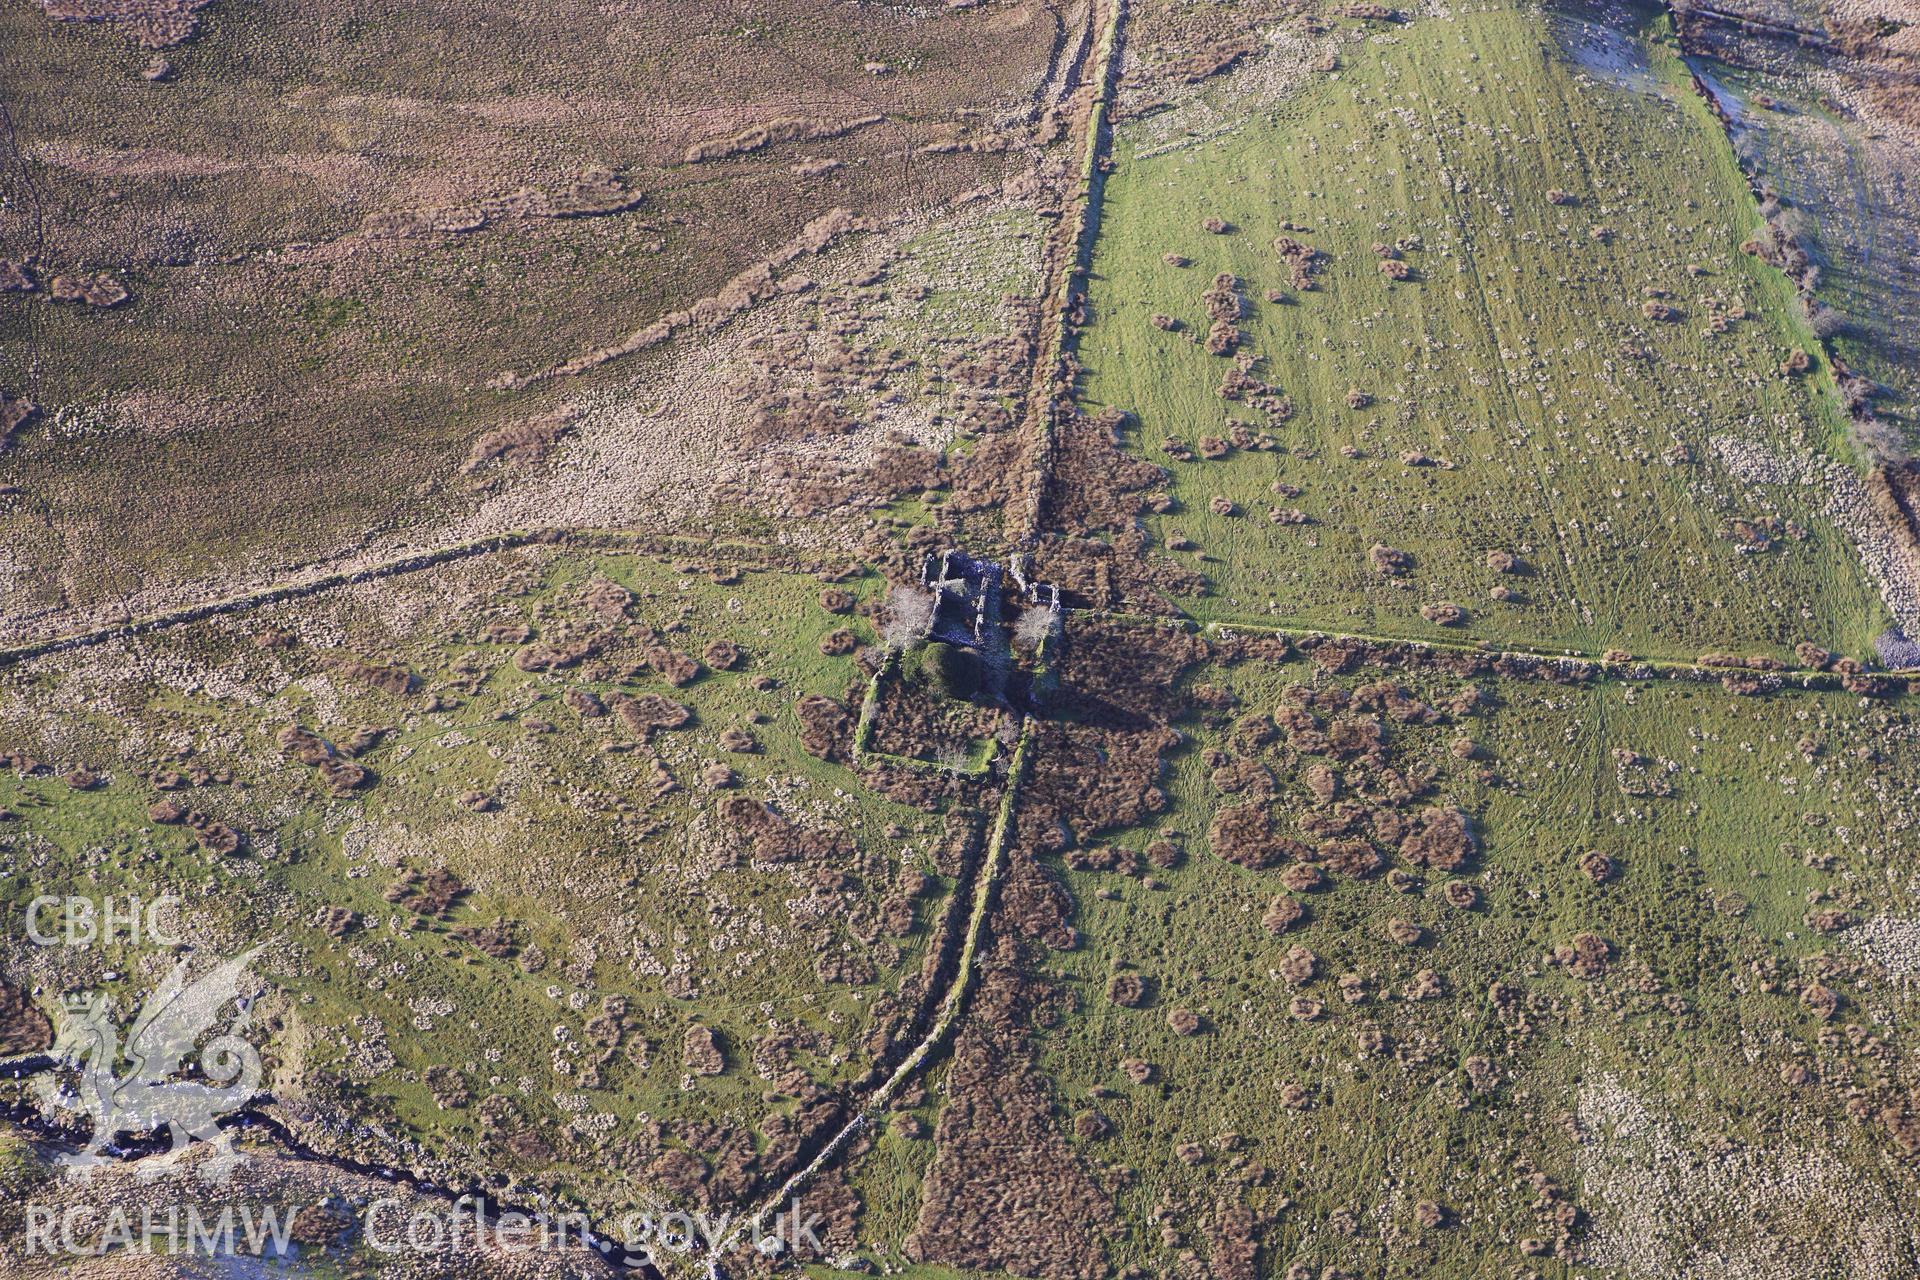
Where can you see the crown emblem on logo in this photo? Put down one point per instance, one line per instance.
(173, 1033)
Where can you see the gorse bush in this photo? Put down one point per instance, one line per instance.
(952, 670)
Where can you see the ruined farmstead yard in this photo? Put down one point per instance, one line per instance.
(1109, 639)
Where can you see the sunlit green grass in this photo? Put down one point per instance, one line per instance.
(1501, 359)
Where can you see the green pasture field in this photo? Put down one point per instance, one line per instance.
(1517, 397)
(1736, 819)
